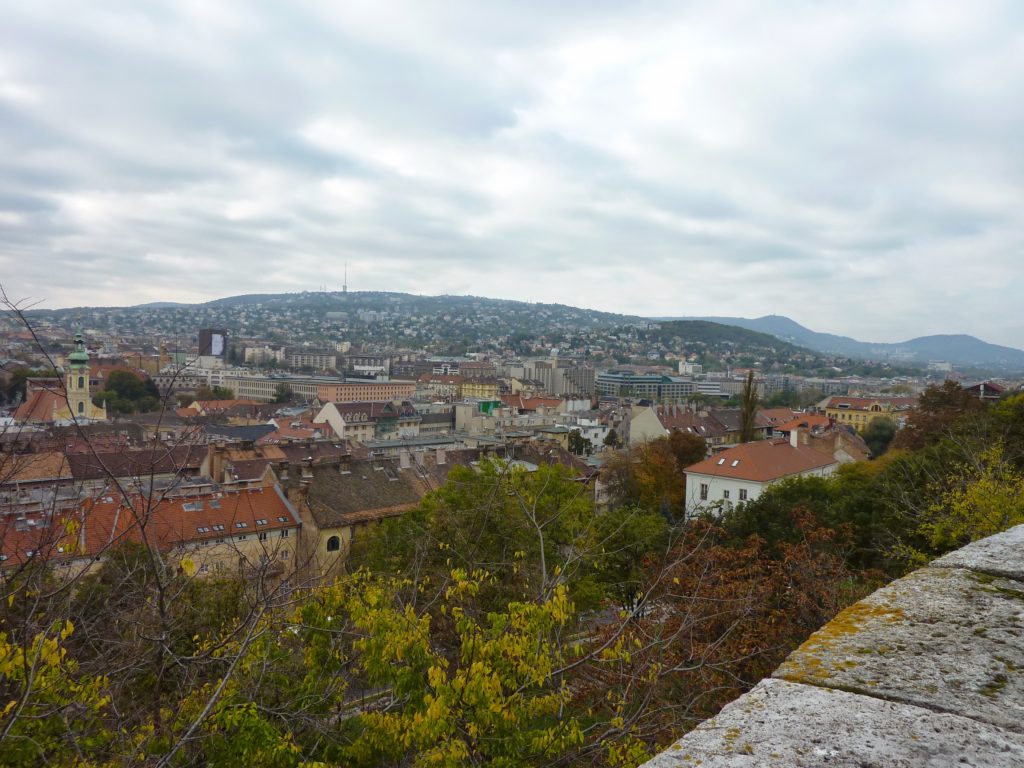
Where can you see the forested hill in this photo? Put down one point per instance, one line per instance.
(719, 334)
(369, 315)
(958, 349)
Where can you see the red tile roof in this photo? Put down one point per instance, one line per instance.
(778, 415)
(762, 461)
(40, 407)
(107, 521)
(805, 421)
(864, 403)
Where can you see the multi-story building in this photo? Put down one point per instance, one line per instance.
(354, 392)
(363, 421)
(486, 389)
(368, 364)
(320, 360)
(651, 386)
(557, 377)
(263, 354)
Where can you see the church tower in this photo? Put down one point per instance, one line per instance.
(79, 398)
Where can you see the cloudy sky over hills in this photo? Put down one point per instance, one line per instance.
(856, 166)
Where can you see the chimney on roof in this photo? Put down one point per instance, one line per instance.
(217, 451)
(794, 436)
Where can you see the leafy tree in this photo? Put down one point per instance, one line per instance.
(578, 444)
(878, 434)
(126, 392)
(496, 701)
(216, 393)
(283, 393)
(937, 411)
(45, 698)
(980, 499)
(16, 385)
(530, 530)
(748, 409)
(725, 616)
(652, 474)
(612, 439)
(1007, 418)
(634, 539)
(770, 516)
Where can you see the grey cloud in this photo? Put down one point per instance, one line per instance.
(844, 165)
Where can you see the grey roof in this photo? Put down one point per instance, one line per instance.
(254, 432)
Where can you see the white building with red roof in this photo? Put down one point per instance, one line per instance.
(743, 472)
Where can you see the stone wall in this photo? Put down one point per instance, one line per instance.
(927, 671)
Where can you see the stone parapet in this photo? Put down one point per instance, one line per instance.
(927, 671)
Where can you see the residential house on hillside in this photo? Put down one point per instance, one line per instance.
(741, 473)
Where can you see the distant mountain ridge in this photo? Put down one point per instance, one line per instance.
(958, 349)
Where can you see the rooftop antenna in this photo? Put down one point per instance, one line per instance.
(344, 285)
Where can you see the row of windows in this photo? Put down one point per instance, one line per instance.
(704, 489)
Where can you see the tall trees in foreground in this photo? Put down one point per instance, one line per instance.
(506, 621)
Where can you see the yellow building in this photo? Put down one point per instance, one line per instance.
(485, 389)
(73, 402)
(857, 412)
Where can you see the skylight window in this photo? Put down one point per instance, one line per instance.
(241, 524)
(721, 462)
(735, 463)
(202, 529)
(218, 527)
(261, 521)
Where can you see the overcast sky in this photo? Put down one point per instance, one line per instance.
(856, 166)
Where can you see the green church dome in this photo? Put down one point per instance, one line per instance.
(80, 356)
